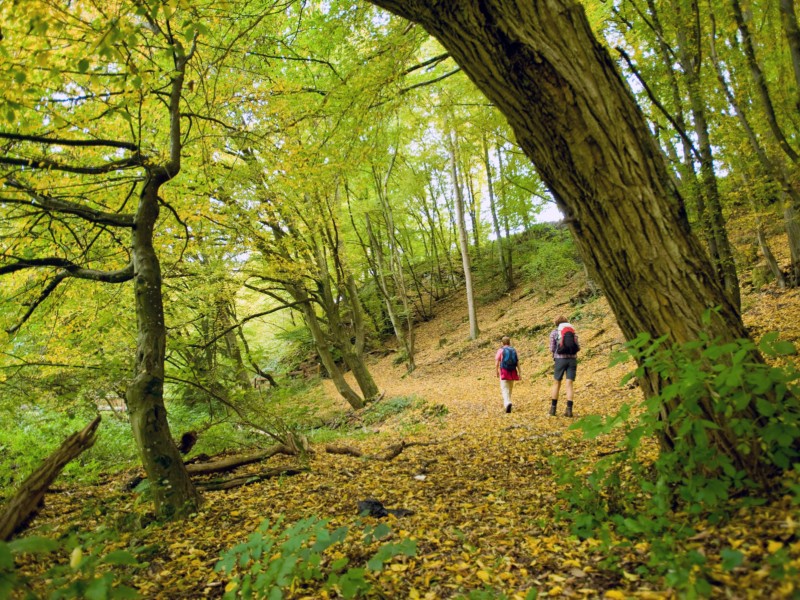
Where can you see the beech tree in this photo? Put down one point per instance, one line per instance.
(576, 119)
(70, 191)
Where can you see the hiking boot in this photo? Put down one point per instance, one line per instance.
(553, 407)
(568, 412)
(508, 408)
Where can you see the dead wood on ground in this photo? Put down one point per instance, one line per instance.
(23, 505)
(234, 482)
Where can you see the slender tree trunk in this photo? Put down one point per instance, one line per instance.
(792, 32)
(463, 241)
(768, 256)
(778, 170)
(474, 215)
(323, 352)
(509, 282)
(509, 245)
(353, 354)
(760, 83)
(573, 115)
(687, 165)
(691, 65)
(791, 206)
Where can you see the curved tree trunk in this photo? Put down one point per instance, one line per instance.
(321, 344)
(173, 491)
(576, 119)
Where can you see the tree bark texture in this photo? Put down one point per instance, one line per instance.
(173, 491)
(25, 501)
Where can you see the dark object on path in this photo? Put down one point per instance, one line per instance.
(374, 508)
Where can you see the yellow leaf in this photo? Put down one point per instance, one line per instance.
(630, 576)
(230, 587)
(773, 546)
(483, 576)
(615, 595)
(76, 557)
(398, 567)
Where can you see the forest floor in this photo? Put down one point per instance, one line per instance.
(483, 492)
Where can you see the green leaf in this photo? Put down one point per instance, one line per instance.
(33, 545)
(99, 588)
(764, 407)
(731, 558)
(83, 65)
(6, 558)
(120, 557)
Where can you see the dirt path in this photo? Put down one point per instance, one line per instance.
(460, 374)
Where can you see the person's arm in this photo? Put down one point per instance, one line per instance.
(497, 366)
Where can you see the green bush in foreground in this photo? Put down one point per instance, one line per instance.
(628, 496)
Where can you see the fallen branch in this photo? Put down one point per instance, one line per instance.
(234, 482)
(23, 505)
(228, 464)
(391, 452)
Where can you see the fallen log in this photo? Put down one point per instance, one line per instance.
(391, 452)
(230, 463)
(21, 506)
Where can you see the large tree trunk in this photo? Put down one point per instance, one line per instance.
(173, 491)
(576, 119)
(19, 508)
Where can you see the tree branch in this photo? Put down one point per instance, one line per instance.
(43, 163)
(67, 142)
(71, 270)
(64, 206)
(405, 90)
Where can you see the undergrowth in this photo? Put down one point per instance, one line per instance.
(656, 502)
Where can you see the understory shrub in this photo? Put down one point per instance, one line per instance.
(274, 559)
(640, 494)
(80, 566)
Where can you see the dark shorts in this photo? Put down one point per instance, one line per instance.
(565, 365)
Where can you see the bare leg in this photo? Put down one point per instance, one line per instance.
(557, 387)
(568, 389)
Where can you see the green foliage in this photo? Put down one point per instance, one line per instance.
(274, 559)
(32, 434)
(548, 257)
(378, 412)
(709, 386)
(80, 567)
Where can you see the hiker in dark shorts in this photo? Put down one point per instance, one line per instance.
(564, 347)
(508, 371)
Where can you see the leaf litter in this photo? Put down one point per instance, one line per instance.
(479, 489)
